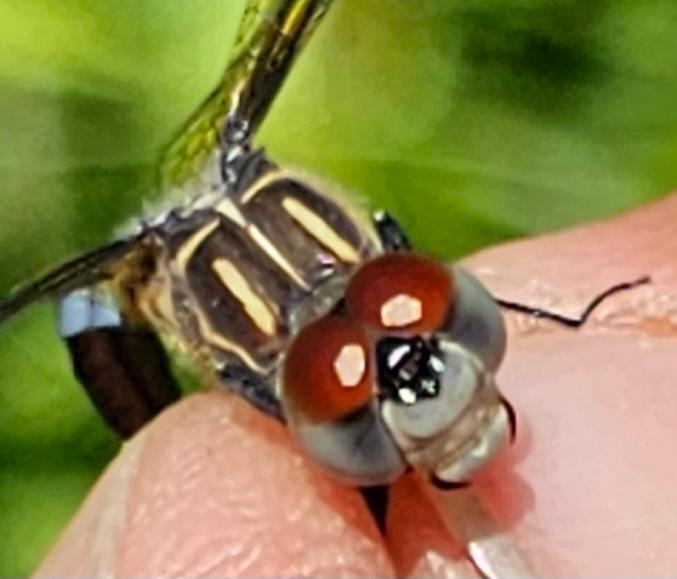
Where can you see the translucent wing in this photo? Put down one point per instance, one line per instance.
(271, 35)
(84, 270)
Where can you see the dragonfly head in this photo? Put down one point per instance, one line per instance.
(401, 376)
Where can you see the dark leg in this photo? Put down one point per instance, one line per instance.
(572, 322)
(390, 232)
(377, 502)
(444, 485)
(123, 368)
(253, 389)
(512, 417)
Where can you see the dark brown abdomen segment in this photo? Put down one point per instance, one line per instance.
(125, 373)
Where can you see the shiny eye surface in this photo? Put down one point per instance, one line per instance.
(358, 450)
(328, 370)
(402, 292)
(476, 322)
(328, 393)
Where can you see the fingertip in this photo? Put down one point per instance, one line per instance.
(213, 487)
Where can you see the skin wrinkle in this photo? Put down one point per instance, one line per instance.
(190, 466)
(432, 564)
(207, 561)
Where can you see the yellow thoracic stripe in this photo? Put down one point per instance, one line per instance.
(228, 209)
(215, 339)
(231, 211)
(255, 306)
(273, 252)
(318, 228)
(191, 245)
(210, 335)
(260, 185)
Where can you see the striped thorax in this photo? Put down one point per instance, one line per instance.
(236, 279)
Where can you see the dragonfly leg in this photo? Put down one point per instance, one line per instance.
(376, 498)
(253, 389)
(572, 321)
(390, 232)
(123, 367)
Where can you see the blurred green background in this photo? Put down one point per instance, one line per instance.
(472, 121)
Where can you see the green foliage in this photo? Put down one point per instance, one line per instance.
(472, 121)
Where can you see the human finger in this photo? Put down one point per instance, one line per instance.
(588, 488)
(214, 488)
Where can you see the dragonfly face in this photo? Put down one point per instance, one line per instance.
(400, 375)
(379, 359)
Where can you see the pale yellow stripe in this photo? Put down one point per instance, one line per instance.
(261, 184)
(317, 227)
(266, 245)
(215, 339)
(191, 245)
(209, 334)
(228, 209)
(257, 309)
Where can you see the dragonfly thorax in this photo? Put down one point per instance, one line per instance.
(236, 279)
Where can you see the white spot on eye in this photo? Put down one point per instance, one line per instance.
(437, 364)
(350, 365)
(401, 310)
(407, 395)
(395, 357)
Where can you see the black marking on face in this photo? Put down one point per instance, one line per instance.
(409, 369)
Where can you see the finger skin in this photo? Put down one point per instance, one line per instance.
(213, 488)
(419, 544)
(589, 487)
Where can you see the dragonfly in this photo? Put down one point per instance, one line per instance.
(378, 358)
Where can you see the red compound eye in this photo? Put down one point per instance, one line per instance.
(327, 372)
(401, 291)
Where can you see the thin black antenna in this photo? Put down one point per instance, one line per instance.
(577, 321)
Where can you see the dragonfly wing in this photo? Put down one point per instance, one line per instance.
(270, 36)
(99, 264)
